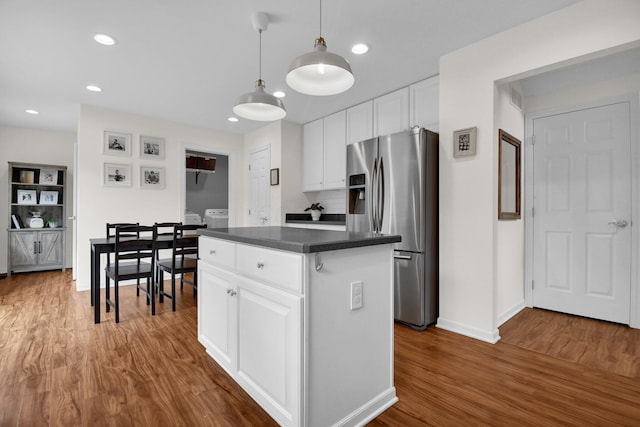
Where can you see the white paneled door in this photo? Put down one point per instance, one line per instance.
(259, 187)
(582, 212)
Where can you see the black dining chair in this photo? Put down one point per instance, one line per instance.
(111, 233)
(133, 259)
(184, 259)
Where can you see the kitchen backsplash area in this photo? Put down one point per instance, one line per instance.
(333, 201)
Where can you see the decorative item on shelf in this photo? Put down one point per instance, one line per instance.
(260, 105)
(316, 210)
(320, 72)
(27, 197)
(26, 177)
(464, 142)
(36, 220)
(52, 223)
(48, 176)
(48, 197)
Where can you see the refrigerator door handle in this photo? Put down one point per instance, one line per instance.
(372, 196)
(380, 195)
(407, 257)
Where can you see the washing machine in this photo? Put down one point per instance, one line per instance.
(216, 218)
(192, 218)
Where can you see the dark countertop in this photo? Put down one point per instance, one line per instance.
(299, 240)
(305, 218)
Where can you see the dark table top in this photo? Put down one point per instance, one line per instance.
(299, 239)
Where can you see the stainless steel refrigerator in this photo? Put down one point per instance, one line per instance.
(393, 189)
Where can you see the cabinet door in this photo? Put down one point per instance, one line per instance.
(424, 104)
(270, 349)
(217, 309)
(360, 122)
(335, 151)
(49, 247)
(24, 249)
(391, 112)
(312, 156)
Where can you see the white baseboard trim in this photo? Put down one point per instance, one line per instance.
(511, 312)
(469, 331)
(370, 410)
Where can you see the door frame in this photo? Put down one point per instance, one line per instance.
(231, 155)
(251, 152)
(634, 101)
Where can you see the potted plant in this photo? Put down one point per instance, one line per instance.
(316, 209)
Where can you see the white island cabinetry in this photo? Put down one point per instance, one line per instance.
(286, 332)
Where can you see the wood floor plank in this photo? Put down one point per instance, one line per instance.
(59, 369)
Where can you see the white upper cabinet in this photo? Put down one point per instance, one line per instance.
(313, 156)
(391, 112)
(324, 153)
(360, 122)
(424, 104)
(335, 151)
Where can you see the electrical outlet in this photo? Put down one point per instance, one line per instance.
(356, 295)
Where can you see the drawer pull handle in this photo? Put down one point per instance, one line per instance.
(260, 265)
(212, 252)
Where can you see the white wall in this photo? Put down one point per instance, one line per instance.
(469, 264)
(98, 205)
(34, 146)
(285, 142)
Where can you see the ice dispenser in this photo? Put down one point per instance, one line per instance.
(357, 194)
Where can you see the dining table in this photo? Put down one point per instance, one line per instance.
(104, 245)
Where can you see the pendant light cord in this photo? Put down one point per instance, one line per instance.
(320, 18)
(260, 55)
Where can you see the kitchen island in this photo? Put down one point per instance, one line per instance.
(301, 319)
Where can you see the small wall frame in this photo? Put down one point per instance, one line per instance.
(275, 176)
(464, 142)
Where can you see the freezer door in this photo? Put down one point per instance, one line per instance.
(402, 158)
(409, 300)
(361, 157)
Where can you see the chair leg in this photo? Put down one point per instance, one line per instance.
(173, 292)
(107, 295)
(161, 283)
(153, 299)
(117, 301)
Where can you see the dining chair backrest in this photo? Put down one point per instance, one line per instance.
(165, 228)
(111, 227)
(185, 242)
(134, 242)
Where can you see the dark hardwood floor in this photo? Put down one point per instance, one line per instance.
(57, 368)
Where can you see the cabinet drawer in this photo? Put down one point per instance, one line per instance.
(282, 269)
(217, 252)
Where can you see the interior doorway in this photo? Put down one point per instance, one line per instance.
(207, 185)
(582, 207)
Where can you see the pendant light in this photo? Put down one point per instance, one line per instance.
(259, 105)
(320, 72)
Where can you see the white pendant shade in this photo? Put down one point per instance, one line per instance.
(320, 73)
(259, 105)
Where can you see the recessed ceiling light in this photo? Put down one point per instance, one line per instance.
(104, 39)
(279, 94)
(233, 119)
(94, 88)
(34, 112)
(360, 48)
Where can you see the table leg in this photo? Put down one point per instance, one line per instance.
(95, 282)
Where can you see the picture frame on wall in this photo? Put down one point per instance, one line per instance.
(27, 197)
(117, 144)
(275, 176)
(464, 142)
(48, 197)
(151, 147)
(117, 175)
(152, 177)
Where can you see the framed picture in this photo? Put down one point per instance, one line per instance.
(151, 147)
(117, 144)
(464, 142)
(117, 175)
(48, 197)
(48, 176)
(152, 177)
(27, 197)
(275, 176)
(26, 177)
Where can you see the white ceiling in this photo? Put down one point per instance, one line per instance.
(188, 61)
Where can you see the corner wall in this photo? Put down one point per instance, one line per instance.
(34, 146)
(470, 243)
(99, 205)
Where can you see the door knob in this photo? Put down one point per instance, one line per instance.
(620, 223)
